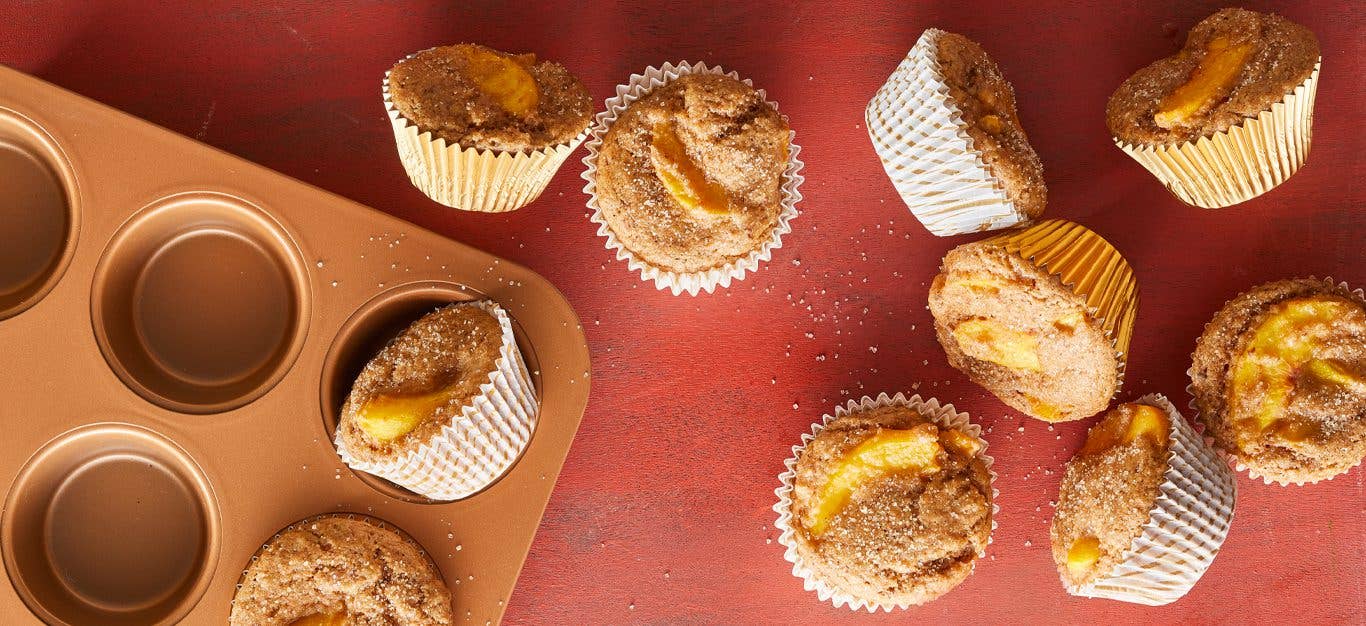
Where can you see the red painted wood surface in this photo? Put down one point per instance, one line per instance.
(662, 512)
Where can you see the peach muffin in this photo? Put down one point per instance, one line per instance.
(1279, 378)
(341, 570)
(890, 507)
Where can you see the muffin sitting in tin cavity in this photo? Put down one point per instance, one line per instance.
(1279, 378)
(1018, 331)
(335, 571)
(986, 102)
(1108, 491)
(1235, 65)
(890, 508)
(478, 97)
(689, 177)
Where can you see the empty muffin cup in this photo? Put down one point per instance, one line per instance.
(37, 213)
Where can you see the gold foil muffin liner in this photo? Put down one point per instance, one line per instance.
(1088, 265)
(477, 446)
(1187, 524)
(467, 178)
(922, 140)
(1341, 288)
(308, 521)
(1241, 163)
(944, 416)
(692, 282)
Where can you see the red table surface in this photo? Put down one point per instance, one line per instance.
(662, 513)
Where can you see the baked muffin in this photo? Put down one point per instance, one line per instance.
(890, 503)
(1221, 86)
(1143, 507)
(484, 130)
(946, 128)
(340, 569)
(1279, 379)
(446, 408)
(1039, 317)
(691, 179)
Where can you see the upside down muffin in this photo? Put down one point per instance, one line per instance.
(475, 96)
(1015, 328)
(689, 177)
(890, 507)
(341, 571)
(1279, 378)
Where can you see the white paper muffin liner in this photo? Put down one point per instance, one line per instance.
(1241, 163)
(1231, 459)
(636, 88)
(922, 140)
(1187, 524)
(468, 178)
(944, 416)
(477, 446)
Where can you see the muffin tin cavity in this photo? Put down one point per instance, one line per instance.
(110, 524)
(370, 329)
(37, 214)
(199, 303)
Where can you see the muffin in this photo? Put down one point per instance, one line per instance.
(1143, 507)
(1228, 117)
(446, 408)
(946, 129)
(692, 175)
(887, 503)
(1040, 317)
(1279, 379)
(483, 130)
(340, 569)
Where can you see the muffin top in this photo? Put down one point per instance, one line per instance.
(420, 382)
(338, 570)
(1234, 65)
(1108, 491)
(478, 97)
(1018, 331)
(689, 177)
(888, 507)
(1279, 377)
(986, 103)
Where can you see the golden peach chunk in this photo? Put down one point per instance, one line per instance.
(682, 178)
(1045, 411)
(991, 123)
(1082, 556)
(321, 619)
(505, 80)
(915, 449)
(985, 283)
(1069, 322)
(1334, 372)
(1211, 80)
(992, 341)
(960, 442)
(1139, 420)
(388, 417)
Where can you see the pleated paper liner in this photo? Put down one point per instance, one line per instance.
(1230, 457)
(477, 446)
(1091, 267)
(636, 88)
(944, 416)
(1241, 163)
(359, 517)
(922, 140)
(460, 177)
(1187, 524)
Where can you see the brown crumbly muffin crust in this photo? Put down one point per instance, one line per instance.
(455, 345)
(1284, 56)
(1079, 370)
(1338, 411)
(731, 134)
(340, 565)
(901, 538)
(433, 90)
(1108, 495)
(978, 89)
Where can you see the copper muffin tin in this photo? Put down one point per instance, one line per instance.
(178, 328)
